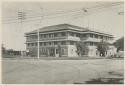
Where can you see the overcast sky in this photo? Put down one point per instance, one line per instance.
(100, 18)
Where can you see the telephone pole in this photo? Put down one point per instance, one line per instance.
(38, 34)
(21, 17)
(86, 11)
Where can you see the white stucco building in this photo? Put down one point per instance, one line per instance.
(66, 36)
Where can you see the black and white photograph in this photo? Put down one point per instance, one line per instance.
(62, 42)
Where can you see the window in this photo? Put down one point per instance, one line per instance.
(50, 43)
(44, 35)
(32, 44)
(71, 43)
(63, 42)
(63, 51)
(101, 37)
(91, 43)
(35, 44)
(41, 44)
(84, 35)
(96, 36)
(72, 34)
(63, 34)
(57, 51)
(28, 45)
(50, 35)
(43, 51)
(44, 43)
(91, 35)
(55, 34)
(55, 43)
(77, 35)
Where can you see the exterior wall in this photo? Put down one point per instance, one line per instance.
(45, 51)
(112, 51)
(92, 51)
(69, 49)
(32, 51)
(72, 51)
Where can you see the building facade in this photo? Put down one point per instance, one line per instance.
(64, 36)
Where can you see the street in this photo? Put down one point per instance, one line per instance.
(34, 71)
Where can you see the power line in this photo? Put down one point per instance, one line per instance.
(61, 13)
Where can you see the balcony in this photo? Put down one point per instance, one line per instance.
(89, 39)
(56, 39)
(72, 38)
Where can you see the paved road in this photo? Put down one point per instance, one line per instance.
(30, 71)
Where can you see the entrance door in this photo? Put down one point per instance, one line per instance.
(52, 51)
(56, 53)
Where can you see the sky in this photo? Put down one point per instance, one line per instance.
(98, 17)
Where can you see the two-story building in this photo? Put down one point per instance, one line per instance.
(65, 36)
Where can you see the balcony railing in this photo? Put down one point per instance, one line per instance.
(55, 38)
(94, 40)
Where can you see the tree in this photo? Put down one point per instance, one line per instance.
(82, 48)
(119, 44)
(3, 49)
(102, 47)
(59, 50)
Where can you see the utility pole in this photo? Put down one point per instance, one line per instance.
(38, 34)
(86, 11)
(21, 17)
(38, 55)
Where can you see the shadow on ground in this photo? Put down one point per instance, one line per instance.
(104, 81)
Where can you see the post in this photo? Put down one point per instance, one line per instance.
(38, 36)
(38, 43)
(86, 11)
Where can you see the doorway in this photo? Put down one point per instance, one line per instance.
(52, 52)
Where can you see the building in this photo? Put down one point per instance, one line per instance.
(64, 36)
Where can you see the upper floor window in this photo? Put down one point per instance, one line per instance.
(44, 43)
(55, 43)
(91, 35)
(50, 35)
(71, 33)
(63, 34)
(55, 34)
(77, 35)
(41, 44)
(101, 37)
(34, 37)
(50, 43)
(28, 45)
(84, 35)
(63, 42)
(45, 35)
(96, 36)
(71, 43)
(41, 36)
(91, 43)
(35, 44)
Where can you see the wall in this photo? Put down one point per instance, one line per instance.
(72, 51)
